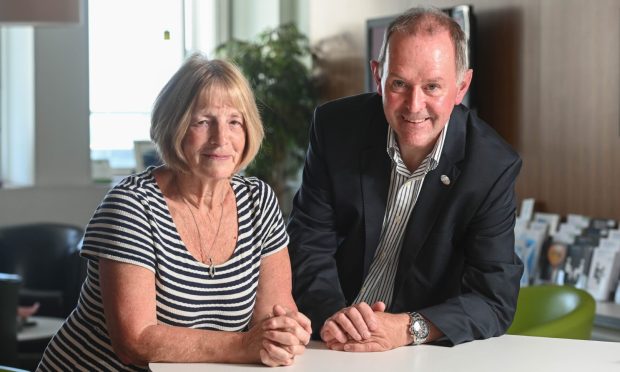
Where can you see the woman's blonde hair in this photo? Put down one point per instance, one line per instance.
(201, 77)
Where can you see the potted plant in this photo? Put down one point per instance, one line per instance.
(286, 96)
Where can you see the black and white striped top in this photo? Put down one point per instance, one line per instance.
(404, 189)
(133, 225)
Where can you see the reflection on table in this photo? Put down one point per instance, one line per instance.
(38, 328)
(506, 353)
(33, 337)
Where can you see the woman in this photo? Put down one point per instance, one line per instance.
(184, 257)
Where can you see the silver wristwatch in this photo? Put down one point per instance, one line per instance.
(419, 329)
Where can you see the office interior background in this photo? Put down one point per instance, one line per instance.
(547, 78)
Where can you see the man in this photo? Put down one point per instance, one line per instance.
(413, 243)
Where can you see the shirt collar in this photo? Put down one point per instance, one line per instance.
(429, 163)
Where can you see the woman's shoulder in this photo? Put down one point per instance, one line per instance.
(253, 183)
(138, 181)
(139, 185)
(254, 186)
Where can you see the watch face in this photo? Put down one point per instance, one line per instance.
(420, 329)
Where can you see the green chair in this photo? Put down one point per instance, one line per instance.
(554, 311)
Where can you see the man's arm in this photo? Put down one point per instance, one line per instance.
(491, 274)
(313, 244)
(489, 284)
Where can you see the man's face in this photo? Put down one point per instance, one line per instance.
(419, 88)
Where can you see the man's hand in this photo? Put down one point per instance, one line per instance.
(391, 332)
(385, 331)
(355, 322)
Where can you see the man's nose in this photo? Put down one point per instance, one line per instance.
(416, 100)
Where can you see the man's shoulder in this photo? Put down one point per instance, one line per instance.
(362, 115)
(483, 138)
(358, 104)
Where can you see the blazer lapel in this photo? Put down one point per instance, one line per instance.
(375, 184)
(375, 181)
(433, 195)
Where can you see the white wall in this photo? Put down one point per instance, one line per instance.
(337, 31)
(329, 18)
(63, 190)
(61, 100)
(250, 17)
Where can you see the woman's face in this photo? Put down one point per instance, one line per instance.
(215, 139)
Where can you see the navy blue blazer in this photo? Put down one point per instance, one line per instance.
(457, 265)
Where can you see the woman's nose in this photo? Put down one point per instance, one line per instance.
(217, 133)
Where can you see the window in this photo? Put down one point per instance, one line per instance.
(134, 47)
(16, 106)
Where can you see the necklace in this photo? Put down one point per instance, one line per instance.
(217, 231)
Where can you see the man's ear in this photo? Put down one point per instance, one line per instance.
(376, 75)
(463, 86)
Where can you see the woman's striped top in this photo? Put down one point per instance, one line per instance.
(133, 225)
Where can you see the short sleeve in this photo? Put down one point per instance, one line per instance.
(274, 236)
(119, 230)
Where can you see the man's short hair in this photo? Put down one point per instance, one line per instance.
(429, 20)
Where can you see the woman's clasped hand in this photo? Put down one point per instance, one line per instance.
(279, 338)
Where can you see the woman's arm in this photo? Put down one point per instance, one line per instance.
(128, 293)
(274, 285)
(288, 330)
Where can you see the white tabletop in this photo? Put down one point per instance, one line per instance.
(44, 327)
(506, 354)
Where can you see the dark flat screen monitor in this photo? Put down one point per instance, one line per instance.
(375, 28)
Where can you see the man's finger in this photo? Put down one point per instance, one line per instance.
(336, 346)
(368, 319)
(345, 322)
(332, 329)
(360, 347)
(378, 306)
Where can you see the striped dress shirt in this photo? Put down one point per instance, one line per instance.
(403, 193)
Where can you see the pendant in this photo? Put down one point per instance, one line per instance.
(211, 268)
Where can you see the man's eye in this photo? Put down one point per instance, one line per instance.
(398, 84)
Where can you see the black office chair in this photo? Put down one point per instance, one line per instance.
(46, 256)
(9, 287)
